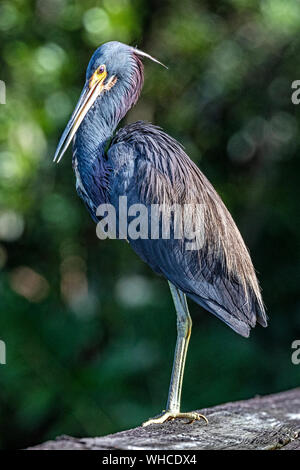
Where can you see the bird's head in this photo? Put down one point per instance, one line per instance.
(115, 69)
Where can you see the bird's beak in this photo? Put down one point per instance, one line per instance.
(92, 89)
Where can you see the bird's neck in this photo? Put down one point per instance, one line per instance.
(102, 119)
(94, 134)
(89, 150)
(92, 137)
(99, 125)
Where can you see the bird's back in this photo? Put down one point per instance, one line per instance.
(150, 167)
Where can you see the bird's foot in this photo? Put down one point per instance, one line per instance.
(171, 415)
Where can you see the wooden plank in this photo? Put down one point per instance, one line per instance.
(268, 423)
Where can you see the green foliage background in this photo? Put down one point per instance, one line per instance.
(89, 329)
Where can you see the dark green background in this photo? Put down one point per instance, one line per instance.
(89, 329)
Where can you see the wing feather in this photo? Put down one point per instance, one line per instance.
(149, 167)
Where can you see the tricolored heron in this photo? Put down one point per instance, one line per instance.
(147, 166)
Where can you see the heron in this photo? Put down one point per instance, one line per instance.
(147, 166)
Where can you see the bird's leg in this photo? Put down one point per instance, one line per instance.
(184, 328)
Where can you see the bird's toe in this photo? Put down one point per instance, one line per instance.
(170, 416)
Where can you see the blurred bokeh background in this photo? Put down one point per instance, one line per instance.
(89, 329)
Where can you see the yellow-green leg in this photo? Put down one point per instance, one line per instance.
(184, 328)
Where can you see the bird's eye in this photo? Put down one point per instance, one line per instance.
(101, 69)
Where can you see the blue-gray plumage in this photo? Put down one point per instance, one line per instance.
(147, 166)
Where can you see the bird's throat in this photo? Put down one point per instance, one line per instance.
(90, 147)
(93, 137)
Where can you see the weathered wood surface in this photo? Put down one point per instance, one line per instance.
(264, 423)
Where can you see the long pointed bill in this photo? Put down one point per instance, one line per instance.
(87, 98)
(144, 54)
